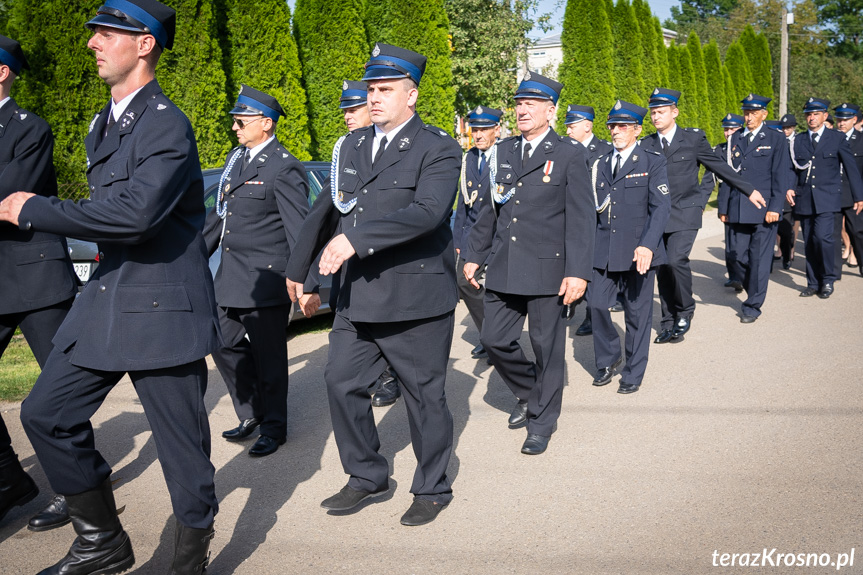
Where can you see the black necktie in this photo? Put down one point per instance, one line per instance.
(482, 162)
(814, 140)
(247, 157)
(665, 146)
(111, 122)
(525, 155)
(381, 147)
(616, 166)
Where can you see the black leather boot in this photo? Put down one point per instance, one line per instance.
(191, 550)
(16, 487)
(53, 516)
(389, 391)
(102, 547)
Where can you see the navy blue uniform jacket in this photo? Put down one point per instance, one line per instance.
(267, 203)
(467, 215)
(35, 269)
(819, 187)
(404, 266)
(766, 164)
(545, 231)
(150, 303)
(637, 213)
(856, 144)
(687, 151)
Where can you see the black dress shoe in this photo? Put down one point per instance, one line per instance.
(586, 327)
(242, 431)
(748, 318)
(605, 374)
(617, 307)
(628, 388)
(786, 264)
(664, 336)
(265, 445)
(388, 394)
(737, 285)
(680, 328)
(808, 292)
(519, 414)
(826, 291)
(535, 444)
(53, 516)
(478, 352)
(421, 511)
(348, 498)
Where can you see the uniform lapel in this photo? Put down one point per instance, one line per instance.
(260, 160)
(674, 144)
(472, 170)
(652, 143)
(629, 164)
(6, 115)
(543, 149)
(362, 159)
(125, 123)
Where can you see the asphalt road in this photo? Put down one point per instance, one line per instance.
(742, 438)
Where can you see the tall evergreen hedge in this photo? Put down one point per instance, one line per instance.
(264, 56)
(628, 54)
(738, 65)
(649, 54)
(587, 70)
(661, 54)
(689, 116)
(332, 47)
(760, 63)
(732, 102)
(423, 26)
(716, 88)
(191, 74)
(703, 96)
(62, 85)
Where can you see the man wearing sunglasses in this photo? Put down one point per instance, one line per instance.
(632, 210)
(149, 311)
(261, 204)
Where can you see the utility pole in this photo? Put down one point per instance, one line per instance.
(787, 18)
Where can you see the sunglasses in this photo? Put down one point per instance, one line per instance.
(243, 123)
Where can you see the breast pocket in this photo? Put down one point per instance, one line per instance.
(542, 193)
(635, 190)
(154, 321)
(115, 171)
(249, 201)
(397, 189)
(40, 264)
(347, 188)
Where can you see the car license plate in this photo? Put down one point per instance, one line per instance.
(83, 270)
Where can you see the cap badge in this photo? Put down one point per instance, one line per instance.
(655, 91)
(241, 89)
(618, 105)
(479, 110)
(749, 97)
(345, 85)
(811, 99)
(728, 117)
(527, 75)
(377, 51)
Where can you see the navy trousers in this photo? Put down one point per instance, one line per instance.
(473, 298)
(674, 279)
(418, 351)
(540, 382)
(38, 327)
(751, 247)
(255, 370)
(818, 238)
(56, 416)
(637, 290)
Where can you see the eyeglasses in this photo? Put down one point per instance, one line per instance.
(621, 127)
(243, 123)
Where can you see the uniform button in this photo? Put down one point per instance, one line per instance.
(614, 231)
(232, 195)
(371, 252)
(395, 182)
(155, 304)
(365, 191)
(517, 202)
(513, 238)
(227, 231)
(557, 255)
(227, 249)
(613, 203)
(269, 267)
(230, 213)
(519, 184)
(360, 210)
(92, 188)
(28, 225)
(514, 220)
(479, 185)
(42, 256)
(102, 288)
(422, 266)
(613, 217)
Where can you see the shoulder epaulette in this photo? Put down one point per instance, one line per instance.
(436, 130)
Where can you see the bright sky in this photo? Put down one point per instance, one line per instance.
(661, 8)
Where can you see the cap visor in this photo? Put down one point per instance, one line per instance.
(112, 22)
(382, 73)
(245, 111)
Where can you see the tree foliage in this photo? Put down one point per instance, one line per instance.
(732, 104)
(716, 89)
(587, 70)
(702, 94)
(332, 48)
(689, 116)
(628, 54)
(62, 85)
(488, 38)
(264, 56)
(845, 19)
(738, 65)
(423, 26)
(761, 66)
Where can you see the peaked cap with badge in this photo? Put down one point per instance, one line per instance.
(663, 97)
(353, 94)
(846, 111)
(251, 102)
(576, 113)
(391, 63)
(144, 16)
(11, 55)
(755, 102)
(482, 117)
(816, 105)
(626, 113)
(732, 121)
(535, 85)
(788, 121)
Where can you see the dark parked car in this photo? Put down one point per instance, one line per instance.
(85, 255)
